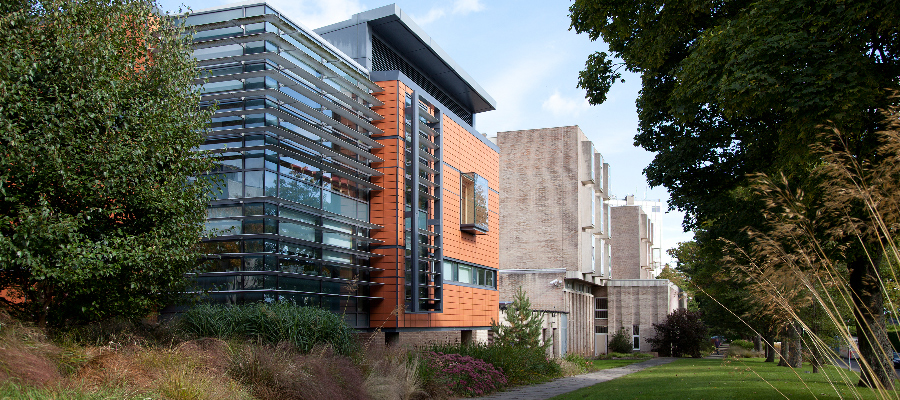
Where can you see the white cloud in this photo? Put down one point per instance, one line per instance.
(459, 7)
(432, 15)
(318, 13)
(558, 105)
(464, 7)
(513, 88)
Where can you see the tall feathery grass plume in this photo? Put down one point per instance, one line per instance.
(799, 268)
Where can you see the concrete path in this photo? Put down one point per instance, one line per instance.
(572, 383)
(720, 352)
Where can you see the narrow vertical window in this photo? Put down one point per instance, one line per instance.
(636, 336)
(601, 309)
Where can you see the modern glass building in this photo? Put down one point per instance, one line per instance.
(292, 138)
(351, 175)
(439, 207)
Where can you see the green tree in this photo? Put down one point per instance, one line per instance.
(99, 120)
(681, 280)
(734, 88)
(682, 333)
(524, 329)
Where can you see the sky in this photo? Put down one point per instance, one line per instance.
(524, 55)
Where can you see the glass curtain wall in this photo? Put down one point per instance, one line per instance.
(289, 216)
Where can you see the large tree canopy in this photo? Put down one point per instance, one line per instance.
(99, 214)
(734, 88)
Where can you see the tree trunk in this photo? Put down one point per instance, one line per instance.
(783, 357)
(757, 343)
(795, 351)
(874, 346)
(770, 348)
(816, 360)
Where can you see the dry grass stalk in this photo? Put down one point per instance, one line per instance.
(793, 269)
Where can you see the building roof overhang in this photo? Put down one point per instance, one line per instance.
(398, 29)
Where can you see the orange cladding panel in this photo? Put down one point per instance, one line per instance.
(462, 306)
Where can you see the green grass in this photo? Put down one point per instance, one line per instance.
(748, 378)
(12, 391)
(597, 365)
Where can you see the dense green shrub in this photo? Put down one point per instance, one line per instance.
(682, 333)
(303, 327)
(744, 344)
(575, 364)
(521, 365)
(620, 342)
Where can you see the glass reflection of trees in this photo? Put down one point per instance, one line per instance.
(474, 203)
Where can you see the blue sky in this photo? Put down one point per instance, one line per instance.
(524, 55)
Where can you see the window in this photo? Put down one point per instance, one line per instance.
(469, 274)
(635, 337)
(601, 307)
(601, 329)
(473, 203)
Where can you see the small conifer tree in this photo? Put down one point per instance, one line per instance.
(524, 325)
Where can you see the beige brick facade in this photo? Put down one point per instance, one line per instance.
(641, 303)
(552, 222)
(562, 243)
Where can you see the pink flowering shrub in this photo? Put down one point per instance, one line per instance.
(465, 375)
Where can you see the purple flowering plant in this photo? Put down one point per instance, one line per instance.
(465, 375)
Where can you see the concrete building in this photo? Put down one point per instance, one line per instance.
(554, 224)
(633, 298)
(559, 243)
(354, 178)
(649, 234)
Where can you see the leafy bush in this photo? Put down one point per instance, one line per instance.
(467, 376)
(620, 342)
(682, 333)
(303, 327)
(521, 365)
(574, 364)
(744, 344)
(741, 352)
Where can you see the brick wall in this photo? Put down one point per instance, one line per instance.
(421, 338)
(539, 211)
(638, 302)
(544, 288)
(625, 243)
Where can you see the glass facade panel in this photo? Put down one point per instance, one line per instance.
(223, 227)
(253, 184)
(218, 16)
(218, 52)
(464, 274)
(307, 251)
(453, 271)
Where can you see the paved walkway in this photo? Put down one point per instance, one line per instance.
(572, 383)
(720, 352)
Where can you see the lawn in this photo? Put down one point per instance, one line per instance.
(597, 365)
(748, 378)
